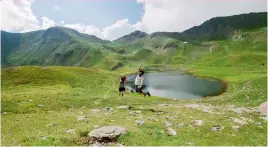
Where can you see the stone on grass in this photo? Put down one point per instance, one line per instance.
(163, 105)
(41, 105)
(71, 131)
(50, 125)
(263, 109)
(95, 110)
(107, 133)
(235, 128)
(30, 100)
(44, 137)
(124, 107)
(153, 119)
(167, 124)
(181, 124)
(264, 118)
(82, 118)
(217, 128)
(197, 122)
(259, 123)
(139, 122)
(171, 132)
(107, 108)
(239, 121)
(4, 113)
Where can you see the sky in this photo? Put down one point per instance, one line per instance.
(111, 19)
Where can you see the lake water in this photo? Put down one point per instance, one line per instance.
(176, 84)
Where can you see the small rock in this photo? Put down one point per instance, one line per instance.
(167, 124)
(153, 119)
(44, 137)
(159, 113)
(259, 123)
(217, 128)
(4, 113)
(82, 118)
(197, 122)
(96, 126)
(247, 119)
(70, 131)
(264, 118)
(50, 125)
(40, 105)
(135, 112)
(171, 132)
(124, 107)
(233, 135)
(138, 112)
(181, 124)
(235, 128)
(44, 68)
(190, 143)
(95, 110)
(107, 133)
(107, 109)
(163, 105)
(30, 100)
(239, 121)
(139, 122)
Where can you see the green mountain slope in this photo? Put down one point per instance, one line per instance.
(130, 37)
(63, 46)
(218, 28)
(54, 46)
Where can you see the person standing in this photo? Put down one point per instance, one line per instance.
(139, 82)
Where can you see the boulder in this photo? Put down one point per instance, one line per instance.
(107, 133)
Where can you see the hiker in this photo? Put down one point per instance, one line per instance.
(122, 88)
(139, 82)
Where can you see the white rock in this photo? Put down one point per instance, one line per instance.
(167, 124)
(72, 131)
(44, 137)
(40, 105)
(95, 110)
(107, 132)
(124, 107)
(82, 118)
(235, 128)
(49, 125)
(181, 124)
(139, 122)
(172, 132)
(239, 121)
(30, 100)
(217, 128)
(197, 122)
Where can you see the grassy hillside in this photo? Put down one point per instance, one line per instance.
(39, 103)
(54, 46)
(35, 97)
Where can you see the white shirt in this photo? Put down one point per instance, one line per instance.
(139, 80)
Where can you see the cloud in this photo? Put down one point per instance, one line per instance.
(87, 29)
(56, 8)
(17, 15)
(47, 23)
(116, 30)
(119, 29)
(179, 15)
(158, 15)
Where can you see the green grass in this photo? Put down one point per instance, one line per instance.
(68, 92)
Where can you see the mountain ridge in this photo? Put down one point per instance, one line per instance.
(65, 46)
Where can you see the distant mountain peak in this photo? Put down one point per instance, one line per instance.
(131, 37)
